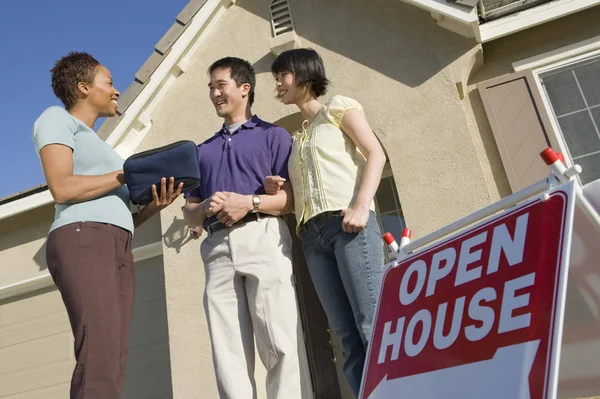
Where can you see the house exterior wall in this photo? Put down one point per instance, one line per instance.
(407, 87)
(405, 70)
(408, 90)
(22, 245)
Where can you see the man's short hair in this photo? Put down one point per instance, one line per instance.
(68, 72)
(306, 65)
(241, 72)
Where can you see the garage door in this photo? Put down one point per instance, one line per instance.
(36, 344)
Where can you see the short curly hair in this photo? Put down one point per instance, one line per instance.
(68, 71)
(306, 65)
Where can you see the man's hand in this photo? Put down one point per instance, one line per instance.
(214, 204)
(234, 208)
(355, 219)
(273, 184)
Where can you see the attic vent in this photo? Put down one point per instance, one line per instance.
(281, 17)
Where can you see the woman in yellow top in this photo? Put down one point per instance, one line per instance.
(335, 168)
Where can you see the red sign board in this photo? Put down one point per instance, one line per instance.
(478, 314)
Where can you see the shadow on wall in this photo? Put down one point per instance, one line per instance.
(395, 39)
(28, 295)
(40, 257)
(291, 123)
(177, 235)
(25, 229)
(264, 64)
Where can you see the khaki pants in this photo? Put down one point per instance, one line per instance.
(250, 295)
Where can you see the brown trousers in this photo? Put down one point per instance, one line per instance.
(92, 266)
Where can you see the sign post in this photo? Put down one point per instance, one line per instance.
(480, 313)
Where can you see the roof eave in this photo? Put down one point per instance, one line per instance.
(28, 203)
(465, 21)
(532, 17)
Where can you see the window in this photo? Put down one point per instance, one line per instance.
(389, 211)
(572, 92)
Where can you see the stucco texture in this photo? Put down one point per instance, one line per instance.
(389, 56)
(404, 69)
(407, 87)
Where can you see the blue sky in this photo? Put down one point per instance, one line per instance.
(120, 34)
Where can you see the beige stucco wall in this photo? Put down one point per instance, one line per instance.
(391, 57)
(403, 68)
(400, 65)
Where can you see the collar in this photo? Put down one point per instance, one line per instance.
(249, 124)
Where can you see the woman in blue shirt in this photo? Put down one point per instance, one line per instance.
(88, 251)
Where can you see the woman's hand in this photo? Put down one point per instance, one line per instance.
(355, 219)
(273, 184)
(166, 198)
(167, 193)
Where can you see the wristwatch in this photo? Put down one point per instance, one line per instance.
(255, 203)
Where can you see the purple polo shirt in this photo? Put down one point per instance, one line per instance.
(239, 162)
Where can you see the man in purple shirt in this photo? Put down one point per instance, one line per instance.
(247, 252)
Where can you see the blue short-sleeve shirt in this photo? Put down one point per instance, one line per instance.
(91, 156)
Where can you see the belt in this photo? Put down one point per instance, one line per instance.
(251, 217)
(318, 218)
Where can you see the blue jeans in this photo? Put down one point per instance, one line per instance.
(346, 270)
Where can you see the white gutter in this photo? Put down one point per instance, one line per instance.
(25, 204)
(464, 14)
(44, 281)
(532, 17)
(465, 20)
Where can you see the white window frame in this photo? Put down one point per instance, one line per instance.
(553, 60)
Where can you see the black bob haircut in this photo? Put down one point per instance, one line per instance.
(306, 65)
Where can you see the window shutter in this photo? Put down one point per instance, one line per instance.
(520, 124)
